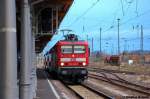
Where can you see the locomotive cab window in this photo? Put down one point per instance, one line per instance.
(79, 49)
(66, 49)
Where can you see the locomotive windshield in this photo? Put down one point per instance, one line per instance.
(79, 49)
(66, 49)
(73, 49)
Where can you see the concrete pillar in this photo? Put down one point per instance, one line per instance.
(33, 73)
(26, 50)
(57, 19)
(8, 50)
(52, 15)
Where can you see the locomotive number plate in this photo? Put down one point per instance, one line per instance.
(73, 64)
(73, 59)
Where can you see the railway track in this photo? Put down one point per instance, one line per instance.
(121, 83)
(115, 71)
(118, 78)
(77, 91)
(85, 91)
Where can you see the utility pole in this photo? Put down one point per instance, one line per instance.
(133, 47)
(87, 37)
(112, 48)
(125, 45)
(100, 50)
(8, 50)
(137, 27)
(83, 29)
(26, 52)
(92, 45)
(118, 37)
(141, 38)
(138, 35)
(141, 46)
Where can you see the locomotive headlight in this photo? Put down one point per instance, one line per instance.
(83, 63)
(62, 64)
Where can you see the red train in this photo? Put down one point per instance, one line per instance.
(68, 59)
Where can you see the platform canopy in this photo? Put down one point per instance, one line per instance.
(46, 16)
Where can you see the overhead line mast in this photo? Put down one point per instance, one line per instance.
(100, 50)
(118, 37)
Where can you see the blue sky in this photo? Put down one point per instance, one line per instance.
(85, 17)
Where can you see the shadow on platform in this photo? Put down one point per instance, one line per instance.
(41, 74)
(44, 90)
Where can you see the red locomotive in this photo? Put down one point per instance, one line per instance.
(68, 59)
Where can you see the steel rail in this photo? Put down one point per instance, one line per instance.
(88, 87)
(118, 83)
(97, 91)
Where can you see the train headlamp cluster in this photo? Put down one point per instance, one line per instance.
(83, 63)
(62, 64)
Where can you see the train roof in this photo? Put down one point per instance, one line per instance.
(60, 38)
(62, 42)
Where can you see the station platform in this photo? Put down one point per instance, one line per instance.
(44, 89)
